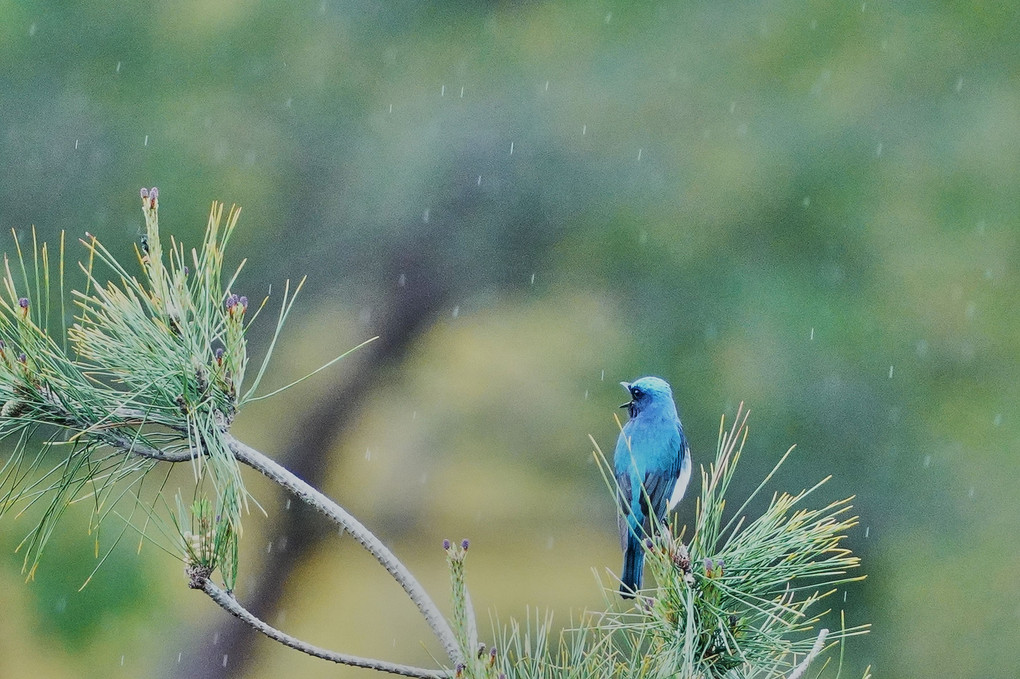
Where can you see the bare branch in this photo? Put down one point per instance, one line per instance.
(320, 502)
(227, 602)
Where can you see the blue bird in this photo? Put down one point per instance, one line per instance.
(652, 465)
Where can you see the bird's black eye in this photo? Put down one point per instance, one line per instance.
(635, 392)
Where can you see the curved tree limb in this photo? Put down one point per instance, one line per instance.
(227, 602)
(323, 504)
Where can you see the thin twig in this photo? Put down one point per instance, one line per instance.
(227, 602)
(815, 650)
(318, 501)
(115, 438)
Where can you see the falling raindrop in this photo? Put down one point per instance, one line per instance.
(511, 148)
(75, 144)
(878, 150)
(550, 542)
(585, 394)
(584, 129)
(442, 91)
(970, 493)
(639, 154)
(402, 280)
(533, 278)
(179, 655)
(269, 548)
(890, 372)
(288, 503)
(807, 201)
(927, 461)
(461, 92)
(224, 659)
(414, 415)
(997, 420)
(867, 531)
(603, 378)
(479, 180)
(812, 337)
(216, 638)
(121, 657)
(391, 108)
(609, 16)
(146, 143)
(546, 85)
(959, 83)
(118, 67)
(844, 596)
(289, 102)
(425, 216)
(368, 453)
(456, 311)
(31, 31)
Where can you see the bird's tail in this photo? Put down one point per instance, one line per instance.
(633, 567)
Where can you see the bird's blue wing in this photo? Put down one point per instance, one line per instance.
(670, 468)
(662, 460)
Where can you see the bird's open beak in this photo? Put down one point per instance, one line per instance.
(626, 385)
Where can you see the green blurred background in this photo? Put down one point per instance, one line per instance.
(810, 207)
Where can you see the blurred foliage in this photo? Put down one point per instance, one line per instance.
(810, 207)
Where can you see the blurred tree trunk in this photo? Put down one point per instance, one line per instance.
(476, 238)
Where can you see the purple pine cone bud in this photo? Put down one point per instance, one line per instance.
(154, 193)
(3, 344)
(709, 565)
(145, 192)
(219, 353)
(231, 301)
(243, 301)
(23, 302)
(446, 545)
(23, 358)
(464, 544)
(648, 543)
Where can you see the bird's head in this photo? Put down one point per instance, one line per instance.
(647, 392)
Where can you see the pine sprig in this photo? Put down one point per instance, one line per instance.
(151, 364)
